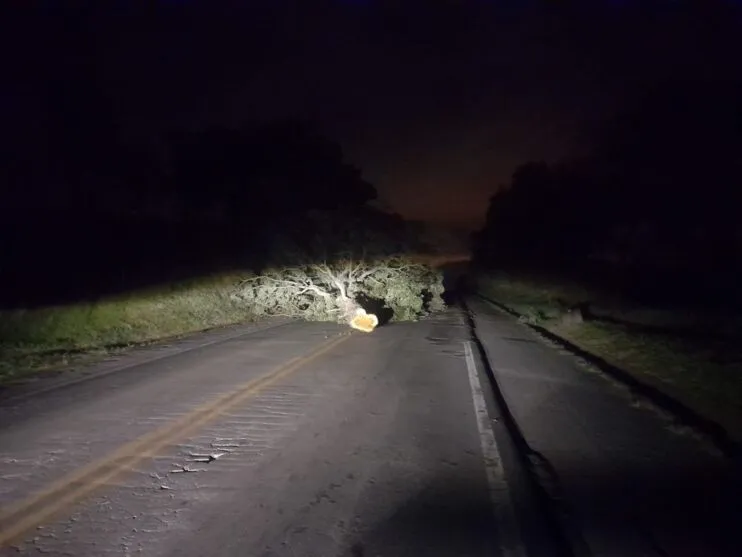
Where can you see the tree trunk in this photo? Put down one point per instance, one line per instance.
(348, 307)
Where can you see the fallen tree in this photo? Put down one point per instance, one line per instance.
(337, 290)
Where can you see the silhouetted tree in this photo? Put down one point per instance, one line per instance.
(659, 193)
(265, 172)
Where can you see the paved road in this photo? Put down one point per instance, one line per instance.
(302, 440)
(298, 440)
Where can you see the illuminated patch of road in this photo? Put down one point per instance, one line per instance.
(61, 495)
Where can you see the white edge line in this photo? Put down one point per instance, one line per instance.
(508, 530)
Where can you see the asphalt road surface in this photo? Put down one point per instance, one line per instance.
(304, 439)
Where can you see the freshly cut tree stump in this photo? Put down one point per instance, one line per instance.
(363, 321)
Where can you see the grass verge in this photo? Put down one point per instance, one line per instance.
(47, 339)
(703, 371)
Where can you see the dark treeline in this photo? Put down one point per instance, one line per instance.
(212, 200)
(653, 211)
(89, 206)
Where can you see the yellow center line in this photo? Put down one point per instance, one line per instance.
(60, 495)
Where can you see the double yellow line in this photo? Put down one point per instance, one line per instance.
(60, 495)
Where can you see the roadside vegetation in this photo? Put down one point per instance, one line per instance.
(47, 338)
(236, 225)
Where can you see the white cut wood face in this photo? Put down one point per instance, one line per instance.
(363, 321)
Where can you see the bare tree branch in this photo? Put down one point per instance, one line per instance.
(332, 290)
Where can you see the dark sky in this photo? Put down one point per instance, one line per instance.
(437, 101)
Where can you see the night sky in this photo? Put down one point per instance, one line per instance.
(436, 101)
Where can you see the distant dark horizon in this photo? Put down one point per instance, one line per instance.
(437, 103)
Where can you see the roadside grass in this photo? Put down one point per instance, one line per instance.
(537, 300)
(50, 338)
(702, 371)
